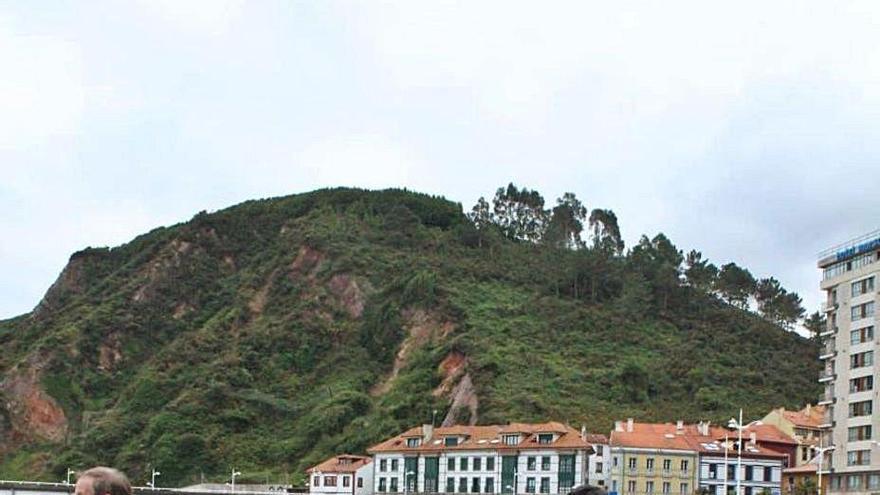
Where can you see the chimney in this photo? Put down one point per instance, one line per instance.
(629, 424)
(808, 408)
(679, 426)
(583, 433)
(618, 426)
(753, 437)
(427, 433)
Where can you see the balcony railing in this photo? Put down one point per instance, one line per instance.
(828, 331)
(826, 376)
(828, 307)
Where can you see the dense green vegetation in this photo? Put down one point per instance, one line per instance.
(263, 336)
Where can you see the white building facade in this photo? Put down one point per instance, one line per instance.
(756, 474)
(850, 274)
(342, 475)
(599, 462)
(546, 458)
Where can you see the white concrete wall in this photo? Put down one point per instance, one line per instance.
(603, 460)
(483, 473)
(774, 485)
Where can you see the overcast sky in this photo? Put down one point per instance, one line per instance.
(747, 130)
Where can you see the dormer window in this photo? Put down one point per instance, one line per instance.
(545, 438)
(413, 442)
(450, 441)
(511, 439)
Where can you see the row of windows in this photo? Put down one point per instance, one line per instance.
(632, 463)
(845, 266)
(857, 433)
(858, 458)
(862, 408)
(861, 359)
(752, 473)
(855, 482)
(861, 384)
(477, 463)
(861, 335)
(861, 311)
(330, 480)
(465, 485)
(863, 286)
(666, 487)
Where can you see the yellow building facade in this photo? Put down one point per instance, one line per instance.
(652, 459)
(644, 471)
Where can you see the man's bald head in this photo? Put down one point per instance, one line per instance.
(102, 481)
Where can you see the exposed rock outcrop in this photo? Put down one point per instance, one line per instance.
(72, 280)
(348, 293)
(32, 413)
(171, 257)
(421, 327)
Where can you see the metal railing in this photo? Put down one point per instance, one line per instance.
(854, 242)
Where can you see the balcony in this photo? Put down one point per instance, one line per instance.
(828, 307)
(829, 332)
(666, 473)
(826, 376)
(827, 355)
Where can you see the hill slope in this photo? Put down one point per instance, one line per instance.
(276, 332)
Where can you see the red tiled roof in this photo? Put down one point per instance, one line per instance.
(765, 433)
(485, 437)
(806, 468)
(341, 464)
(596, 438)
(652, 436)
(687, 438)
(805, 419)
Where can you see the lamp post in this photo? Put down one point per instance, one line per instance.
(515, 481)
(234, 474)
(406, 476)
(820, 451)
(726, 443)
(153, 475)
(739, 426)
(69, 473)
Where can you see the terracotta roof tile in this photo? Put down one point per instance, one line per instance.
(804, 418)
(805, 468)
(485, 437)
(687, 438)
(766, 433)
(345, 463)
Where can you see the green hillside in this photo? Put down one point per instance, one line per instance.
(277, 332)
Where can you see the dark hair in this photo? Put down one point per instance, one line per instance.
(107, 480)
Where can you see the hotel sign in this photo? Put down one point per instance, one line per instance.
(858, 249)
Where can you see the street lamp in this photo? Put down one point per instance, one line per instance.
(153, 478)
(515, 482)
(739, 426)
(820, 451)
(69, 473)
(406, 476)
(726, 443)
(234, 474)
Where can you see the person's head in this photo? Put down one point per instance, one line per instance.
(102, 481)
